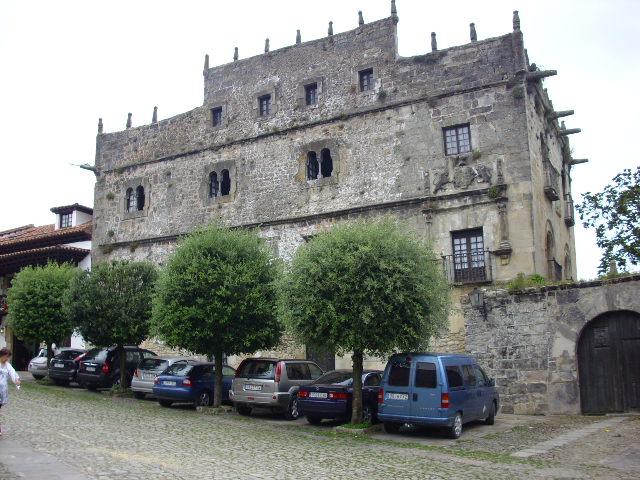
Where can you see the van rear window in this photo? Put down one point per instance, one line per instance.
(454, 377)
(426, 375)
(399, 374)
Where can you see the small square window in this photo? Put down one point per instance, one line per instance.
(457, 140)
(366, 79)
(311, 94)
(216, 116)
(264, 103)
(65, 220)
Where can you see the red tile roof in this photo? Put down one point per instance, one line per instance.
(14, 261)
(42, 236)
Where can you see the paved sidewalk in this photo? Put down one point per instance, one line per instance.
(19, 461)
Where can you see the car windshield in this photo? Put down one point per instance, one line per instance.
(96, 355)
(179, 369)
(68, 354)
(335, 378)
(154, 364)
(258, 369)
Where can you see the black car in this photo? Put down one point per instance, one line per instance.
(331, 395)
(64, 366)
(100, 367)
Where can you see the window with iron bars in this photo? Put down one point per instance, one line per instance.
(264, 102)
(311, 94)
(468, 256)
(366, 79)
(457, 140)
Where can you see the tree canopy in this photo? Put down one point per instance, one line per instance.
(367, 288)
(111, 304)
(217, 295)
(35, 304)
(615, 214)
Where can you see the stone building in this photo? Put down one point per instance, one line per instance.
(462, 144)
(68, 239)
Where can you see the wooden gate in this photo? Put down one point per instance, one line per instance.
(609, 363)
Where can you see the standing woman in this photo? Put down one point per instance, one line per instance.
(6, 372)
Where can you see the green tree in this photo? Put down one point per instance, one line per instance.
(35, 304)
(615, 214)
(111, 305)
(365, 288)
(218, 295)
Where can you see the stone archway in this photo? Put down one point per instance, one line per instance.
(609, 363)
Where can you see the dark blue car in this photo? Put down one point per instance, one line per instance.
(330, 396)
(191, 382)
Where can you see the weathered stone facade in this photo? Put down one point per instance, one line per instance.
(387, 147)
(528, 341)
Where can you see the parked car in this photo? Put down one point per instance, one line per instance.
(100, 367)
(436, 390)
(144, 376)
(191, 382)
(331, 395)
(272, 383)
(63, 368)
(38, 365)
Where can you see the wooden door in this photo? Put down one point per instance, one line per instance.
(609, 363)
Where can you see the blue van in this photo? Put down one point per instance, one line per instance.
(440, 390)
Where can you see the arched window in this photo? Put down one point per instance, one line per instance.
(312, 166)
(326, 163)
(214, 185)
(567, 264)
(130, 199)
(139, 197)
(549, 254)
(225, 184)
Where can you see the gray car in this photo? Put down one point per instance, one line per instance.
(148, 370)
(38, 366)
(271, 383)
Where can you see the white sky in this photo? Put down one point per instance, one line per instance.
(63, 64)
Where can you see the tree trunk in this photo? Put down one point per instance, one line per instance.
(49, 353)
(123, 367)
(356, 414)
(217, 393)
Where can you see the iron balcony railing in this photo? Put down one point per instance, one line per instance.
(551, 177)
(470, 267)
(569, 217)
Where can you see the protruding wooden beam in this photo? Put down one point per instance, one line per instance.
(561, 113)
(540, 74)
(570, 131)
(578, 161)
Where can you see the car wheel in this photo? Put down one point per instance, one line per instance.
(165, 403)
(38, 377)
(491, 418)
(243, 410)
(204, 399)
(314, 420)
(455, 430)
(367, 414)
(139, 395)
(390, 427)
(292, 413)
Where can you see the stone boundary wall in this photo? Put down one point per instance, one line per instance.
(528, 341)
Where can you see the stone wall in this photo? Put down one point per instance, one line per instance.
(528, 341)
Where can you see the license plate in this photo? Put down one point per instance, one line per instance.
(318, 394)
(167, 382)
(91, 369)
(58, 365)
(397, 396)
(253, 388)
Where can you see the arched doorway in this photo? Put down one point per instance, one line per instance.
(609, 363)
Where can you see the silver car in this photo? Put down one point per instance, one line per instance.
(271, 383)
(148, 370)
(38, 366)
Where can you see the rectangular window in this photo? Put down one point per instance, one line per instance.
(399, 374)
(216, 116)
(65, 220)
(264, 103)
(457, 140)
(366, 79)
(426, 375)
(454, 378)
(469, 376)
(468, 256)
(311, 94)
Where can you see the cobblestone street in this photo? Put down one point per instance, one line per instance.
(99, 437)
